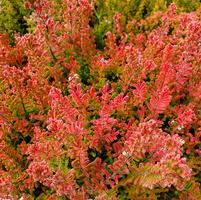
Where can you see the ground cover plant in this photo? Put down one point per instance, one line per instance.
(80, 122)
(14, 17)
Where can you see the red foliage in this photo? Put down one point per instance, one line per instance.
(137, 128)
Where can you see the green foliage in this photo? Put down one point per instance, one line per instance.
(84, 73)
(63, 164)
(187, 5)
(12, 17)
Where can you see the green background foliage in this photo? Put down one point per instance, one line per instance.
(12, 16)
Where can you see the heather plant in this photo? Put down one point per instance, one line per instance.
(14, 17)
(102, 18)
(119, 123)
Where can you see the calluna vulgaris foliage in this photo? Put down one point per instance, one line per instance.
(119, 123)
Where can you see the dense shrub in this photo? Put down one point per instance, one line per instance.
(102, 18)
(119, 123)
(15, 18)
(12, 17)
